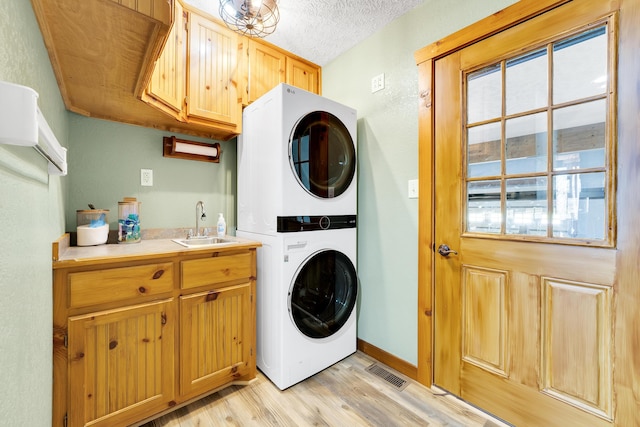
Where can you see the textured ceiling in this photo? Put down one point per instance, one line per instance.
(320, 30)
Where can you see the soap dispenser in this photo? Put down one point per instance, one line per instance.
(222, 226)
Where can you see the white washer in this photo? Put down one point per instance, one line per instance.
(306, 302)
(296, 155)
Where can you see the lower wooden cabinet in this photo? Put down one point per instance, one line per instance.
(121, 364)
(168, 330)
(215, 338)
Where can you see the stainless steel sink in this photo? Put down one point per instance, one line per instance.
(199, 242)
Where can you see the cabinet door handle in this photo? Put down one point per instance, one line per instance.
(212, 296)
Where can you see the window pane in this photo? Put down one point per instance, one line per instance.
(579, 209)
(484, 94)
(579, 136)
(483, 150)
(580, 66)
(526, 82)
(526, 144)
(483, 207)
(527, 206)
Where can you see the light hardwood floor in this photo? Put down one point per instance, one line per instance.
(344, 394)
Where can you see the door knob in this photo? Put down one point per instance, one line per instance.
(445, 250)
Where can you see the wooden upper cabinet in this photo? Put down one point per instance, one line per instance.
(266, 69)
(168, 79)
(303, 75)
(195, 79)
(213, 73)
(269, 66)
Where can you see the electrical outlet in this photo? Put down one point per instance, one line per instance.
(377, 83)
(413, 188)
(146, 177)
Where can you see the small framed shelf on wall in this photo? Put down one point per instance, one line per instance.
(190, 150)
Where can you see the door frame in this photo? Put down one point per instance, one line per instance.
(626, 375)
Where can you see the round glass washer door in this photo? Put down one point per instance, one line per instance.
(322, 154)
(323, 294)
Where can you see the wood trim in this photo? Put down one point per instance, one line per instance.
(59, 246)
(493, 24)
(426, 228)
(402, 366)
(627, 301)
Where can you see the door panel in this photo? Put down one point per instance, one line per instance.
(121, 364)
(213, 68)
(522, 322)
(215, 344)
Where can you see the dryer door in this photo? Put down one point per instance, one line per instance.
(322, 154)
(323, 294)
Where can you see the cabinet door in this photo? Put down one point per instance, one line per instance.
(121, 364)
(302, 75)
(216, 338)
(266, 69)
(213, 66)
(168, 79)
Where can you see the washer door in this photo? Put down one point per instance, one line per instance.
(323, 294)
(322, 154)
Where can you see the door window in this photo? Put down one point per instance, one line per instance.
(323, 294)
(322, 155)
(538, 145)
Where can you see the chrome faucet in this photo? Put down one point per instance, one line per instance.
(198, 218)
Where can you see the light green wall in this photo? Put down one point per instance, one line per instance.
(105, 159)
(31, 217)
(388, 159)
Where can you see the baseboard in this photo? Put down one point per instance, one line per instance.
(402, 366)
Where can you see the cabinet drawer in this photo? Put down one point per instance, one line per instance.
(207, 271)
(117, 284)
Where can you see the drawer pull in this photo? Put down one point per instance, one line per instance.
(212, 296)
(158, 274)
(113, 344)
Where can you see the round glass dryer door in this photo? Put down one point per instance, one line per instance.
(322, 154)
(323, 294)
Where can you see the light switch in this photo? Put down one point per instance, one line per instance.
(413, 188)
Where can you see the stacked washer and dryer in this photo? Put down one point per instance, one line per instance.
(297, 195)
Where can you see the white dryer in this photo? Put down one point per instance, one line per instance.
(307, 288)
(296, 155)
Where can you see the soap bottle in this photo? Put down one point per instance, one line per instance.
(222, 226)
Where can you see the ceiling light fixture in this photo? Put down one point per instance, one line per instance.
(253, 18)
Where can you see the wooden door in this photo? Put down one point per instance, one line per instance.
(168, 83)
(215, 338)
(266, 69)
(213, 73)
(525, 268)
(121, 364)
(302, 75)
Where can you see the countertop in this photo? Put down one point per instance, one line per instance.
(65, 255)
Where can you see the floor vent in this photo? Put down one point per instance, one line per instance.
(377, 370)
